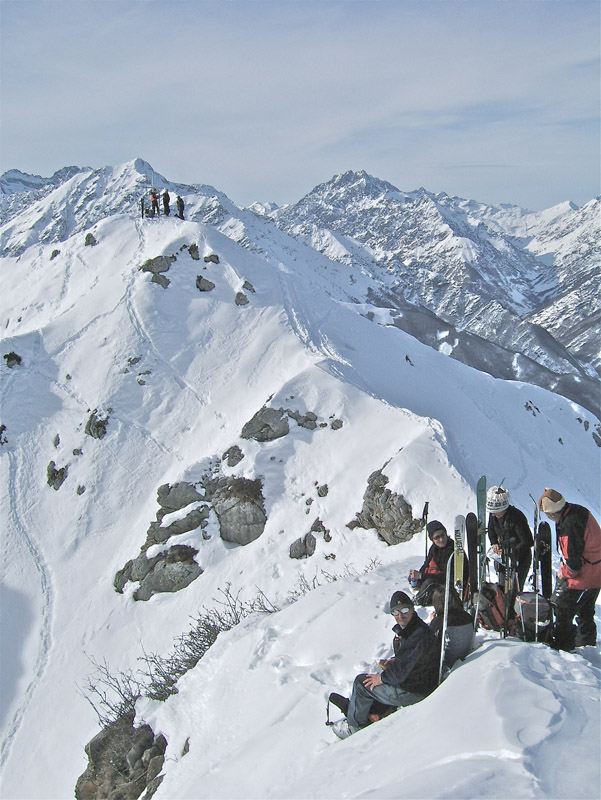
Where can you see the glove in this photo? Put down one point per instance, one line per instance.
(561, 587)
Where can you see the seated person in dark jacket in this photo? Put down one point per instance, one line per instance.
(460, 625)
(409, 677)
(433, 571)
(509, 533)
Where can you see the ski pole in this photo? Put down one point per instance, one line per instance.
(425, 521)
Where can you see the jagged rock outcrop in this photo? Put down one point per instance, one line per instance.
(12, 359)
(241, 299)
(266, 425)
(123, 762)
(173, 497)
(203, 284)
(56, 477)
(157, 266)
(233, 455)
(272, 423)
(239, 506)
(90, 240)
(96, 426)
(388, 512)
(303, 547)
(157, 534)
(169, 572)
(174, 568)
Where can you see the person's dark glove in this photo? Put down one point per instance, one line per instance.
(561, 587)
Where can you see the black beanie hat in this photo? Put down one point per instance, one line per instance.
(434, 526)
(399, 600)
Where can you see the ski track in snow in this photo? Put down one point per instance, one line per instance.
(45, 632)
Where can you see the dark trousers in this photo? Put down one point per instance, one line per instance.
(580, 604)
(362, 699)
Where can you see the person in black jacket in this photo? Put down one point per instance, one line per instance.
(432, 572)
(433, 569)
(407, 678)
(509, 533)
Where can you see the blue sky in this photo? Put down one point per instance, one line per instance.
(495, 100)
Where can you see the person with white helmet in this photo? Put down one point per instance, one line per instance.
(578, 579)
(509, 532)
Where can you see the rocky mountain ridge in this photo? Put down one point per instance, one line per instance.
(509, 291)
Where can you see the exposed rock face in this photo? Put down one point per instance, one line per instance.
(303, 547)
(238, 504)
(193, 520)
(96, 426)
(308, 420)
(239, 507)
(203, 284)
(266, 425)
(233, 456)
(387, 512)
(212, 257)
(157, 266)
(172, 497)
(56, 477)
(241, 299)
(90, 240)
(12, 359)
(123, 762)
(169, 572)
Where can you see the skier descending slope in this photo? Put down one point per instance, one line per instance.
(406, 679)
(579, 577)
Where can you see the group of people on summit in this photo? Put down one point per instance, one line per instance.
(413, 672)
(154, 210)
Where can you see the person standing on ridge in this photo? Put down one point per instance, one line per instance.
(509, 533)
(180, 207)
(154, 202)
(166, 201)
(578, 579)
(409, 676)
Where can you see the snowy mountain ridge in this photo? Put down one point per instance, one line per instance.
(514, 292)
(249, 318)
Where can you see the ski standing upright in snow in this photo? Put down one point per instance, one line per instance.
(481, 509)
(459, 553)
(471, 530)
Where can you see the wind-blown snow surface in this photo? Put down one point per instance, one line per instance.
(511, 721)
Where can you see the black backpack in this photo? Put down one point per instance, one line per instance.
(491, 607)
(534, 617)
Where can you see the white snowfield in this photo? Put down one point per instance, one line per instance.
(515, 720)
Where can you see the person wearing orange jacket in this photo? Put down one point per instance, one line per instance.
(578, 579)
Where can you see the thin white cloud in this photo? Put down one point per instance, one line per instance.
(261, 98)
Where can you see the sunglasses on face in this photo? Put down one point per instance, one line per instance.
(438, 536)
(404, 610)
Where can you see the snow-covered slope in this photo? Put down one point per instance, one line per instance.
(178, 372)
(507, 276)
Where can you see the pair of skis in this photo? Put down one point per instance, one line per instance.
(457, 562)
